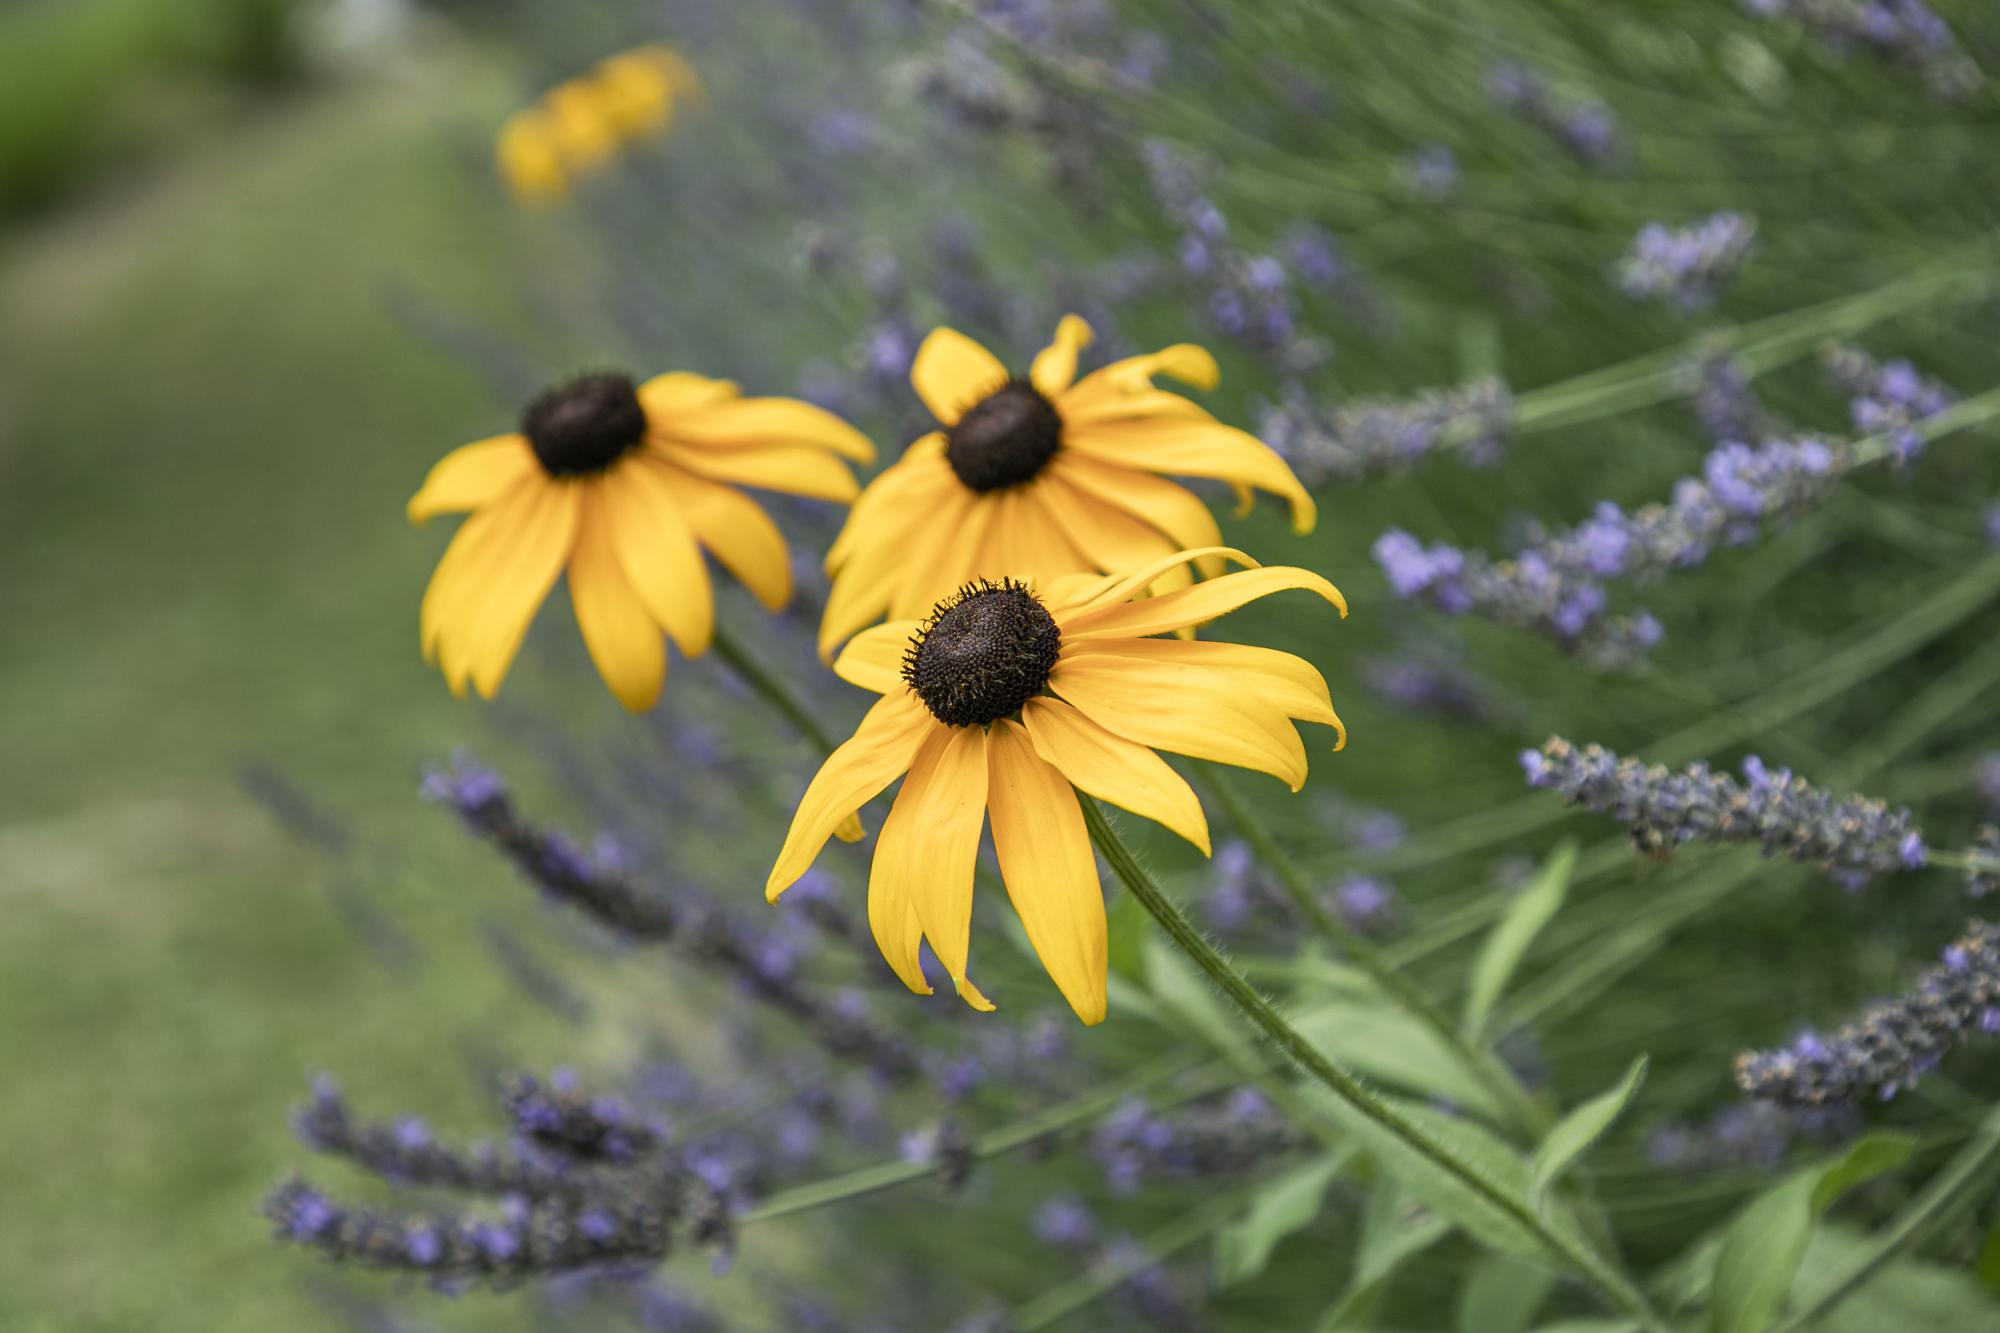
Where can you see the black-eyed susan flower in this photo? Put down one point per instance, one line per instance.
(1039, 476)
(624, 487)
(578, 125)
(1003, 700)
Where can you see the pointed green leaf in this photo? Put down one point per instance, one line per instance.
(1763, 1247)
(1510, 937)
(1501, 1295)
(1128, 928)
(1293, 1200)
(1582, 1127)
(1389, 1045)
(1394, 1229)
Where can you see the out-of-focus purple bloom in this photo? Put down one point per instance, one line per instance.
(1718, 388)
(1065, 1222)
(1886, 398)
(1432, 171)
(1686, 267)
(1586, 128)
(1369, 904)
(1902, 32)
(1352, 440)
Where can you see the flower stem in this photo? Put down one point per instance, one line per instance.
(772, 687)
(1528, 1118)
(1263, 1015)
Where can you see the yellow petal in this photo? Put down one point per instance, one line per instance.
(510, 588)
(1055, 365)
(851, 829)
(1134, 375)
(876, 755)
(583, 134)
(634, 93)
(686, 84)
(873, 659)
(1166, 505)
(1110, 537)
(1202, 721)
(460, 579)
(529, 160)
(1113, 589)
(1090, 408)
(879, 565)
(952, 372)
(1195, 449)
(947, 554)
(623, 638)
(473, 475)
(795, 469)
(1283, 681)
(737, 531)
(945, 798)
(753, 421)
(900, 494)
(1049, 868)
(665, 397)
(1193, 606)
(657, 550)
(1042, 551)
(1109, 767)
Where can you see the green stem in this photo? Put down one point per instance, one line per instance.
(1948, 1189)
(1263, 1015)
(1528, 1118)
(774, 689)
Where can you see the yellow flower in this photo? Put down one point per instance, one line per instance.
(624, 487)
(1039, 477)
(1000, 701)
(577, 126)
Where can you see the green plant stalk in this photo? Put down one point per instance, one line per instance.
(1528, 1118)
(1265, 1017)
(773, 688)
(1952, 1187)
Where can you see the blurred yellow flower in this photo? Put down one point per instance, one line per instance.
(577, 126)
(1006, 696)
(1041, 476)
(624, 487)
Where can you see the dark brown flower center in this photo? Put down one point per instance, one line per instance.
(586, 425)
(985, 651)
(1005, 438)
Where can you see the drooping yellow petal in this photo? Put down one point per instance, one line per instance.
(459, 580)
(1110, 537)
(876, 755)
(1049, 868)
(1202, 721)
(1114, 588)
(873, 659)
(737, 422)
(1134, 375)
(1281, 680)
(473, 475)
(529, 160)
(512, 587)
(870, 583)
(584, 134)
(737, 531)
(893, 888)
(897, 496)
(665, 397)
(681, 76)
(1172, 508)
(947, 788)
(944, 558)
(1040, 550)
(623, 638)
(634, 93)
(1055, 365)
(1195, 449)
(952, 372)
(1193, 606)
(1109, 767)
(1081, 408)
(657, 550)
(796, 469)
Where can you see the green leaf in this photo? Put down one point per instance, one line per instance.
(1389, 1045)
(1764, 1246)
(1243, 1248)
(1987, 1270)
(1128, 930)
(1394, 1229)
(1477, 1150)
(1184, 992)
(1903, 1294)
(1510, 937)
(1577, 1131)
(1501, 1295)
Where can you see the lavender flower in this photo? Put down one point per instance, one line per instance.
(1982, 867)
(1369, 904)
(1065, 1222)
(1992, 524)
(1718, 389)
(555, 1116)
(1223, 1137)
(1686, 267)
(1902, 32)
(1747, 1135)
(1367, 436)
(1556, 585)
(1432, 172)
(1894, 1042)
(1585, 128)
(1851, 838)
(1886, 398)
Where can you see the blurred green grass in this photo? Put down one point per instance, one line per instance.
(208, 425)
